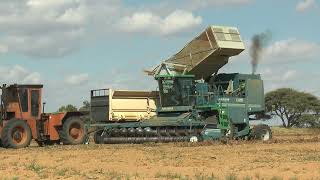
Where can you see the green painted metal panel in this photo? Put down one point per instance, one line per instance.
(255, 95)
(211, 134)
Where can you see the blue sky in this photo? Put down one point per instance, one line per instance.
(72, 46)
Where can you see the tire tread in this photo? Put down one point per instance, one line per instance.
(5, 135)
(63, 133)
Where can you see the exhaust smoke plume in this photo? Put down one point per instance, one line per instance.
(258, 42)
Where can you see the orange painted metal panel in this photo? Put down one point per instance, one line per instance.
(54, 121)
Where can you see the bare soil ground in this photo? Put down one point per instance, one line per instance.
(292, 154)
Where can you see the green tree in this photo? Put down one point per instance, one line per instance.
(309, 120)
(85, 106)
(290, 105)
(67, 108)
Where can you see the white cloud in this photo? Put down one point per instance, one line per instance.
(77, 79)
(196, 4)
(290, 50)
(59, 11)
(289, 75)
(53, 44)
(47, 3)
(39, 28)
(222, 3)
(58, 27)
(73, 16)
(305, 5)
(19, 74)
(278, 77)
(3, 49)
(282, 77)
(283, 51)
(53, 27)
(279, 74)
(177, 21)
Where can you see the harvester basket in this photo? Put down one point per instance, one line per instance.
(208, 52)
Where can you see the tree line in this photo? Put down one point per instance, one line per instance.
(294, 108)
(71, 108)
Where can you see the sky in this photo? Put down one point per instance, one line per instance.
(73, 46)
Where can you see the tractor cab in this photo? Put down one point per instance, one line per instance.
(21, 102)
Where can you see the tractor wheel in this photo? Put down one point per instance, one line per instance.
(73, 131)
(16, 134)
(261, 132)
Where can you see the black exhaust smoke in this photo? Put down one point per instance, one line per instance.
(258, 42)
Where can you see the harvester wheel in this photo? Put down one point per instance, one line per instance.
(97, 137)
(16, 134)
(73, 131)
(261, 132)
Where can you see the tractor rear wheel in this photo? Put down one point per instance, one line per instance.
(16, 134)
(261, 132)
(73, 131)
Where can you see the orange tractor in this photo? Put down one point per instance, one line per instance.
(23, 119)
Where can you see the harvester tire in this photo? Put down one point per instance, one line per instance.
(73, 131)
(97, 138)
(16, 134)
(261, 132)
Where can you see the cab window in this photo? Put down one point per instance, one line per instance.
(23, 95)
(35, 102)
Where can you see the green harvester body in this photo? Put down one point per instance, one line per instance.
(196, 102)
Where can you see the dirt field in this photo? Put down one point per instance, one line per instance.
(293, 154)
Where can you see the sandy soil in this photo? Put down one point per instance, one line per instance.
(292, 154)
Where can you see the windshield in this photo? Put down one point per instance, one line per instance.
(175, 91)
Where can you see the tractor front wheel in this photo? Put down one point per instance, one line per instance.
(16, 134)
(73, 131)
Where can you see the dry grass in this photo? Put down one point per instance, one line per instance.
(293, 154)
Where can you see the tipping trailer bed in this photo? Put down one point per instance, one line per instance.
(206, 53)
(121, 105)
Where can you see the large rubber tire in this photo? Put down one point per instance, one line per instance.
(73, 131)
(16, 134)
(97, 137)
(261, 132)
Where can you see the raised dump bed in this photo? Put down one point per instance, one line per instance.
(120, 105)
(208, 52)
